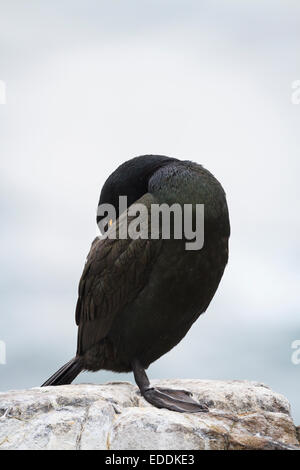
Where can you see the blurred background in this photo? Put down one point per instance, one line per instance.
(92, 83)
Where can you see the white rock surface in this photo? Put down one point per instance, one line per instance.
(243, 415)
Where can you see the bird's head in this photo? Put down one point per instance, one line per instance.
(131, 180)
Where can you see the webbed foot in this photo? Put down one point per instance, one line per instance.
(174, 400)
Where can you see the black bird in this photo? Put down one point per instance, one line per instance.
(139, 297)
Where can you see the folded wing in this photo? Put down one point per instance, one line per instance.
(116, 270)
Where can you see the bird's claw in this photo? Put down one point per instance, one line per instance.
(174, 400)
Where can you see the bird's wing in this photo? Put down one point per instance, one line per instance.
(116, 270)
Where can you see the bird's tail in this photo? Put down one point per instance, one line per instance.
(66, 374)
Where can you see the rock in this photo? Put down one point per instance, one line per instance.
(243, 415)
(298, 433)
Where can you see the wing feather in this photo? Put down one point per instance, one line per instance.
(116, 270)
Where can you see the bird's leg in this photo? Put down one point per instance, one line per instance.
(171, 399)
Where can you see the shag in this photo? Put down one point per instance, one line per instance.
(138, 297)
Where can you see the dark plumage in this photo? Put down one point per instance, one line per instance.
(138, 298)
